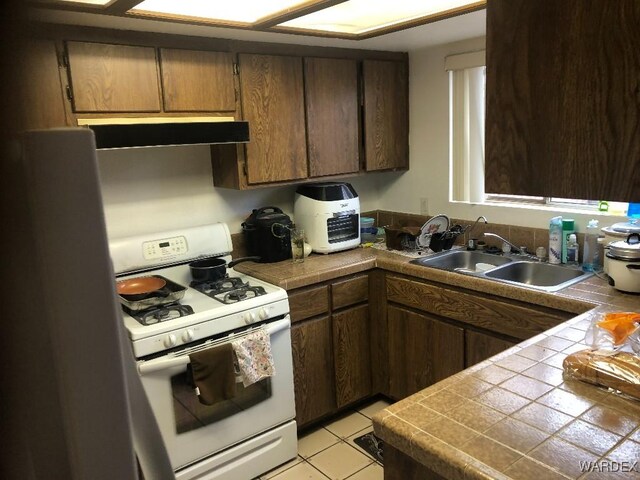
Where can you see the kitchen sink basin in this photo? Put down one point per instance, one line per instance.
(542, 276)
(506, 269)
(464, 261)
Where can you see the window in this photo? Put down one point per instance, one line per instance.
(466, 114)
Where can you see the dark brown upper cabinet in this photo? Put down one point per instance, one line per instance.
(197, 81)
(271, 89)
(113, 78)
(38, 82)
(563, 99)
(331, 93)
(386, 115)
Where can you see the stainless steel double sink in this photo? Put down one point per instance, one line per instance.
(513, 269)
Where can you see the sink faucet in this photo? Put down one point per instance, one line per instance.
(504, 240)
(470, 229)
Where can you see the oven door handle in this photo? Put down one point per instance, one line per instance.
(162, 363)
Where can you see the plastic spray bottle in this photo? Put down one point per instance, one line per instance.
(555, 240)
(590, 254)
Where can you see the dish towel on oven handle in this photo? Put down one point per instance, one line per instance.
(255, 360)
(213, 374)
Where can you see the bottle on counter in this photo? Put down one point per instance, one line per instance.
(572, 250)
(591, 254)
(555, 240)
(568, 227)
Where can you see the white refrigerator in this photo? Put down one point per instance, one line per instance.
(72, 403)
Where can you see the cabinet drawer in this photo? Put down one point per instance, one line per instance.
(308, 302)
(350, 291)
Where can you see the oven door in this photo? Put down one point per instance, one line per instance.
(193, 431)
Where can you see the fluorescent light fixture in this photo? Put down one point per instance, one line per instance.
(241, 11)
(362, 16)
(81, 2)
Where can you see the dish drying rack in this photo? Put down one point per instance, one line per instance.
(435, 235)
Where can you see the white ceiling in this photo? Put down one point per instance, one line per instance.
(462, 27)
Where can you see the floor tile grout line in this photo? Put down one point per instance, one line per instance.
(316, 468)
(355, 473)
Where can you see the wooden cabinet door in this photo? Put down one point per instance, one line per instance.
(197, 81)
(352, 355)
(271, 89)
(386, 114)
(422, 351)
(563, 116)
(41, 103)
(312, 369)
(480, 346)
(331, 93)
(113, 78)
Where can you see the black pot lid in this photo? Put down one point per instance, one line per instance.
(628, 249)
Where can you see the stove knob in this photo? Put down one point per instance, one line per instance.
(170, 340)
(188, 335)
(249, 317)
(263, 314)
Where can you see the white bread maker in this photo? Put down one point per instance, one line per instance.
(329, 213)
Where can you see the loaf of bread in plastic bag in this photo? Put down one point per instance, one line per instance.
(620, 371)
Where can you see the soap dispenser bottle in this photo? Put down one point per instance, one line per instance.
(555, 240)
(572, 250)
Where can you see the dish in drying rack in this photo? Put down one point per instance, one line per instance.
(437, 224)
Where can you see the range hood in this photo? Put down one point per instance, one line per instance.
(112, 133)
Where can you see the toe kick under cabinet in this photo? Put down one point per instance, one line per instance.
(331, 347)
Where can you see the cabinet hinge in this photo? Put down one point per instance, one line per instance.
(63, 60)
(244, 169)
(69, 92)
(236, 69)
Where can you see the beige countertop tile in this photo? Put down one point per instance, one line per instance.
(513, 415)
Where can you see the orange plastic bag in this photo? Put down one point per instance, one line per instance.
(614, 331)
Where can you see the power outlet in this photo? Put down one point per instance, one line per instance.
(424, 206)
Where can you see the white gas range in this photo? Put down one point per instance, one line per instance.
(208, 442)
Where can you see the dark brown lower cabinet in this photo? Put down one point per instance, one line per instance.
(351, 354)
(422, 351)
(400, 466)
(480, 346)
(312, 369)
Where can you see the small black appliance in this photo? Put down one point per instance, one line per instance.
(267, 232)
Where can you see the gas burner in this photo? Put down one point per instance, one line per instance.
(160, 313)
(243, 293)
(218, 286)
(229, 290)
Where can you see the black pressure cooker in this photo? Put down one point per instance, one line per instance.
(267, 233)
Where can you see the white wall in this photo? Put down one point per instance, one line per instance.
(155, 189)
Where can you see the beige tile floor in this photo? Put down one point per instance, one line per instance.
(329, 451)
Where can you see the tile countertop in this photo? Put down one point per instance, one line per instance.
(513, 415)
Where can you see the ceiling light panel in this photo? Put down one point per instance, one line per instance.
(81, 2)
(240, 11)
(362, 16)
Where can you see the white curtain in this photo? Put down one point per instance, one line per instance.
(466, 113)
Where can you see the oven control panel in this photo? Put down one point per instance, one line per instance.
(165, 248)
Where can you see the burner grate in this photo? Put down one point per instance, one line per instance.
(160, 313)
(229, 290)
(243, 293)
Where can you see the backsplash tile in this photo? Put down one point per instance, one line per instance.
(531, 238)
